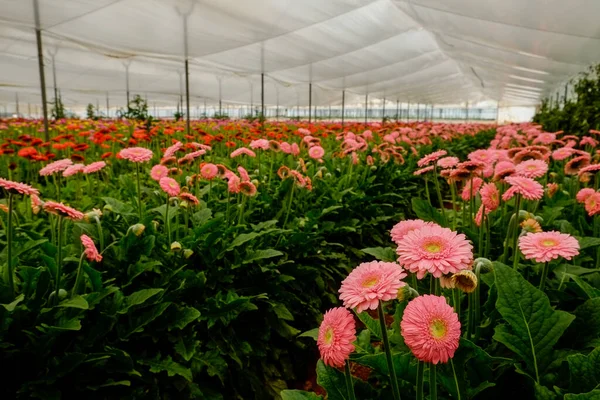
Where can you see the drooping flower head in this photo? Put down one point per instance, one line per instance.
(62, 210)
(469, 190)
(90, 249)
(431, 157)
(171, 150)
(262, 144)
(169, 186)
(490, 197)
(430, 329)
(242, 150)
(552, 188)
(136, 154)
(577, 163)
(94, 167)
(547, 246)
(436, 250)
(370, 283)
(18, 187)
(422, 171)
(248, 188)
(158, 172)
(531, 225)
(526, 187)
(189, 198)
(336, 335)
(403, 227)
(465, 280)
(56, 166)
(531, 168)
(73, 170)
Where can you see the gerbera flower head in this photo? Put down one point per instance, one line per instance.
(262, 144)
(209, 171)
(531, 225)
(158, 172)
(336, 335)
(577, 163)
(431, 157)
(248, 188)
(547, 246)
(562, 153)
(465, 280)
(370, 283)
(448, 162)
(169, 186)
(36, 203)
(469, 190)
(18, 187)
(590, 169)
(490, 197)
(430, 329)
(243, 173)
(531, 168)
(136, 154)
(583, 194)
(73, 169)
(552, 188)
(503, 169)
(423, 170)
(592, 204)
(189, 198)
(403, 227)
(316, 152)
(56, 166)
(436, 250)
(90, 249)
(62, 210)
(242, 150)
(94, 167)
(526, 187)
(171, 150)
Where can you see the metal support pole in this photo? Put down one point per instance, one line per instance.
(309, 103)
(17, 99)
(467, 109)
(383, 114)
(408, 112)
(187, 95)
(262, 96)
(38, 38)
(366, 106)
(107, 107)
(29, 110)
(431, 114)
(343, 106)
(98, 106)
(565, 97)
(127, 83)
(54, 81)
(418, 111)
(397, 109)
(329, 112)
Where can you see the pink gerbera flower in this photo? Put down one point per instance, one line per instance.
(370, 283)
(36, 203)
(503, 169)
(435, 250)
(430, 329)
(190, 198)
(17, 187)
(62, 210)
(73, 169)
(336, 335)
(448, 162)
(94, 167)
(423, 170)
(244, 176)
(577, 163)
(169, 186)
(467, 192)
(531, 168)
(583, 194)
(56, 166)
(562, 153)
(248, 188)
(590, 169)
(316, 152)
(209, 171)
(431, 157)
(242, 150)
(90, 249)
(526, 187)
(403, 227)
(136, 154)
(170, 151)
(262, 144)
(592, 204)
(490, 197)
(158, 172)
(547, 246)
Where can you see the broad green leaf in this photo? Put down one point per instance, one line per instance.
(330, 209)
(75, 302)
(382, 253)
(543, 393)
(169, 366)
(246, 237)
(11, 306)
(585, 371)
(299, 395)
(533, 326)
(118, 206)
(214, 364)
(186, 347)
(587, 324)
(402, 364)
(282, 312)
(425, 211)
(183, 317)
(585, 242)
(68, 325)
(149, 314)
(313, 333)
(371, 324)
(110, 383)
(261, 254)
(588, 289)
(332, 381)
(201, 217)
(593, 395)
(137, 298)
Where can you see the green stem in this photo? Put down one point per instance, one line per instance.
(432, 382)
(508, 237)
(469, 316)
(289, 206)
(455, 380)
(58, 260)
(388, 352)
(9, 278)
(227, 210)
(477, 304)
(481, 229)
(427, 189)
(241, 216)
(100, 234)
(139, 192)
(76, 286)
(516, 234)
(439, 196)
(454, 205)
(544, 276)
(456, 301)
(420, 374)
(349, 384)
(168, 222)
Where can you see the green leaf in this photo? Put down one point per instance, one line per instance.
(533, 325)
(11, 306)
(137, 298)
(75, 302)
(214, 364)
(332, 381)
(261, 254)
(585, 371)
(186, 347)
(150, 314)
(588, 289)
(169, 366)
(585, 242)
(246, 237)
(110, 383)
(67, 325)
(543, 393)
(183, 317)
(593, 395)
(382, 253)
(282, 312)
(299, 395)
(118, 206)
(327, 210)
(587, 324)
(425, 211)
(371, 324)
(402, 364)
(313, 333)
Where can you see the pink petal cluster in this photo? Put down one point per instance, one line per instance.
(209, 171)
(171, 150)
(547, 246)
(430, 329)
(370, 283)
(242, 150)
(592, 204)
(158, 172)
(448, 162)
(526, 187)
(262, 144)
(169, 186)
(436, 250)
(73, 169)
(403, 227)
(583, 195)
(136, 154)
(490, 197)
(531, 168)
(62, 210)
(431, 157)
(316, 152)
(18, 187)
(90, 249)
(190, 198)
(467, 192)
(56, 166)
(336, 335)
(94, 167)
(247, 188)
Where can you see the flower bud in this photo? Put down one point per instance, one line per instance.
(465, 280)
(137, 229)
(483, 264)
(176, 247)
(187, 253)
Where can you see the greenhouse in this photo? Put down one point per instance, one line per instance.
(309, 199)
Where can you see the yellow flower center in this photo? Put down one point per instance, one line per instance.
(549, 243)
(369, 282)
(433, 247)
(329, 335)
(532, 167)
(438, 328)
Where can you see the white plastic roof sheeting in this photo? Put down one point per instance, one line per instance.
(427, 51)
